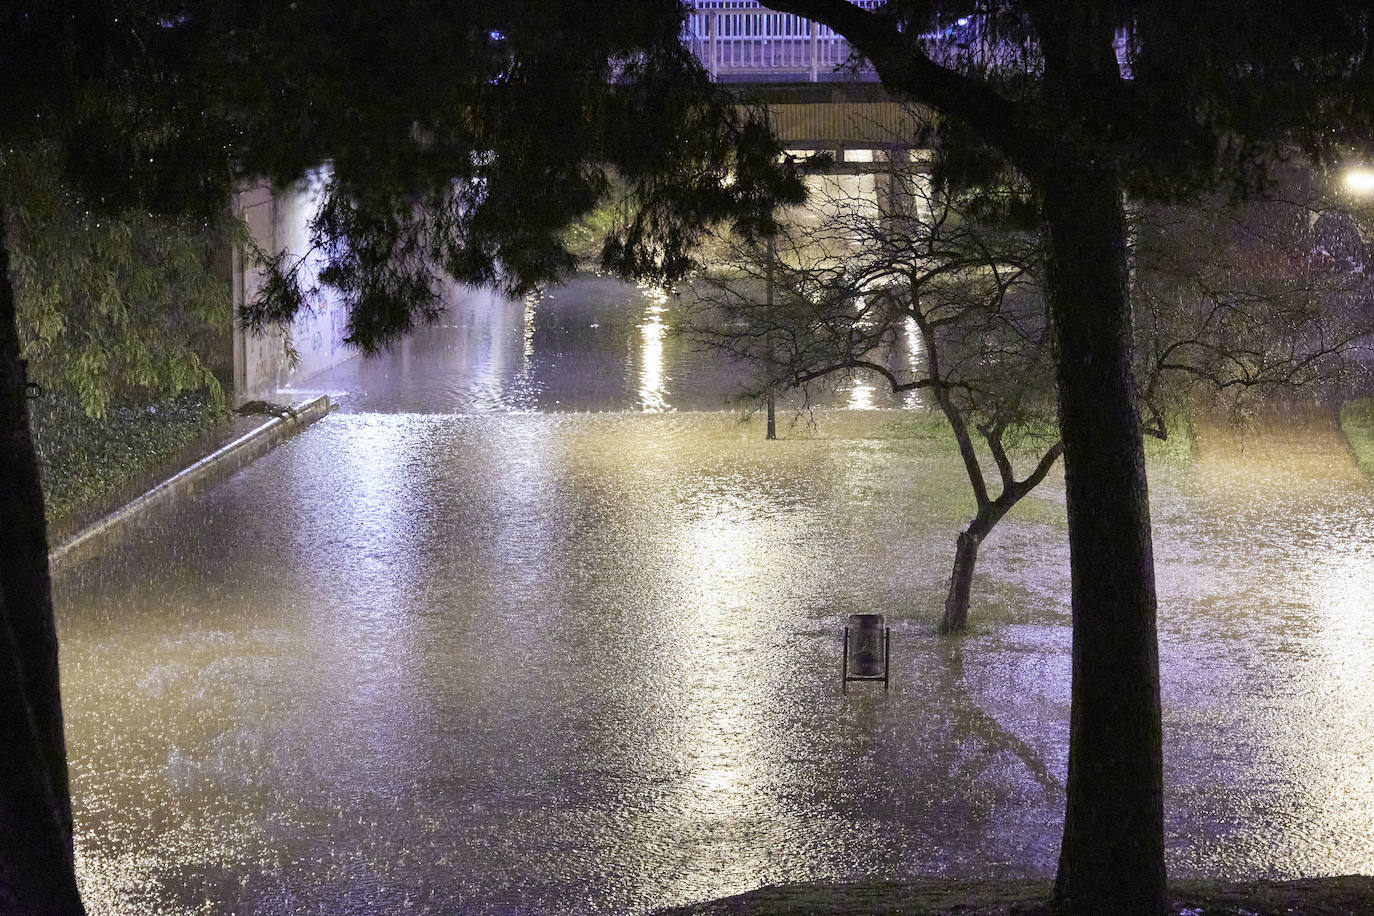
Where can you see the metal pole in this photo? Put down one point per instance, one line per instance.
(772, 419)
(887, 641)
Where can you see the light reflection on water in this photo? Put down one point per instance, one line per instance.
(593, 344)
(522, 663)
(1267, 559)
(653, 331)
(580, 663)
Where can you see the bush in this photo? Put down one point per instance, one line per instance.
(85, 459)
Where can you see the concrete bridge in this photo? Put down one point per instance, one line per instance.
(859, 123)
(740, 41)
(818, 97)
(818, 93)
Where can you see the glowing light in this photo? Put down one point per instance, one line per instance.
(527, 350)
(722, 748)
(1360, 181)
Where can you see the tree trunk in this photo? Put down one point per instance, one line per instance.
(37, 875)
(961, 582)
(1112, 857)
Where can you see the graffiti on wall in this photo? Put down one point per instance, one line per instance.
(287, 357)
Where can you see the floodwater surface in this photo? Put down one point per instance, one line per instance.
(506, 662)
(595, 344)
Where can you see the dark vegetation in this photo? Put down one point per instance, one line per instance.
(122, 307)
(124, 320)
(86, 459)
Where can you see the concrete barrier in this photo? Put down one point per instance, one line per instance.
(210, 470)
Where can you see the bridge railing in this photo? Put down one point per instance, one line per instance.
(738, 39)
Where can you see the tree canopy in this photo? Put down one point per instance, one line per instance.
(490, 128)
(111, 305)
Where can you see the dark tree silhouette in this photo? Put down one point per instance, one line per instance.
(858, 279)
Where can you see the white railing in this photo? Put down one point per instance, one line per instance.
(739, 38)
(757, 4)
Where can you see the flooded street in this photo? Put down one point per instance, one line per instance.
(596, 344)
(534, 625)
(1265, 557)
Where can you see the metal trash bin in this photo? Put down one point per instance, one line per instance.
(866, 654)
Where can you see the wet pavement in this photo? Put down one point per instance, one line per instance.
(522, 641)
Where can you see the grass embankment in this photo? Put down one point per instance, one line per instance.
(1357, 422)
(1310, 897)
(86, 461)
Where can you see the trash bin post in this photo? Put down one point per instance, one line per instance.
(844, 665)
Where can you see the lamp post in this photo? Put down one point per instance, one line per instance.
(772, 432)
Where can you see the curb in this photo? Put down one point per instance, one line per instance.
(210, 470)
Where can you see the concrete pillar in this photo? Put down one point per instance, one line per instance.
(712, 27)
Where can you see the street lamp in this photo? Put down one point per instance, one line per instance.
(1359, 181)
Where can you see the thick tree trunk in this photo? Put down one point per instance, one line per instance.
(955, 619)
(1112, 858)
(36, 865)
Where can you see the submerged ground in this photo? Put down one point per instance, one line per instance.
(458, 649)
(1337, 896)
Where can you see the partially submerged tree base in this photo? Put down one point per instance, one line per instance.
(990, 512)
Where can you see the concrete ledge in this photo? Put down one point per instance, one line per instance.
(210, 470)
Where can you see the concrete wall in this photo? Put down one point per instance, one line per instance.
(281, 220)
